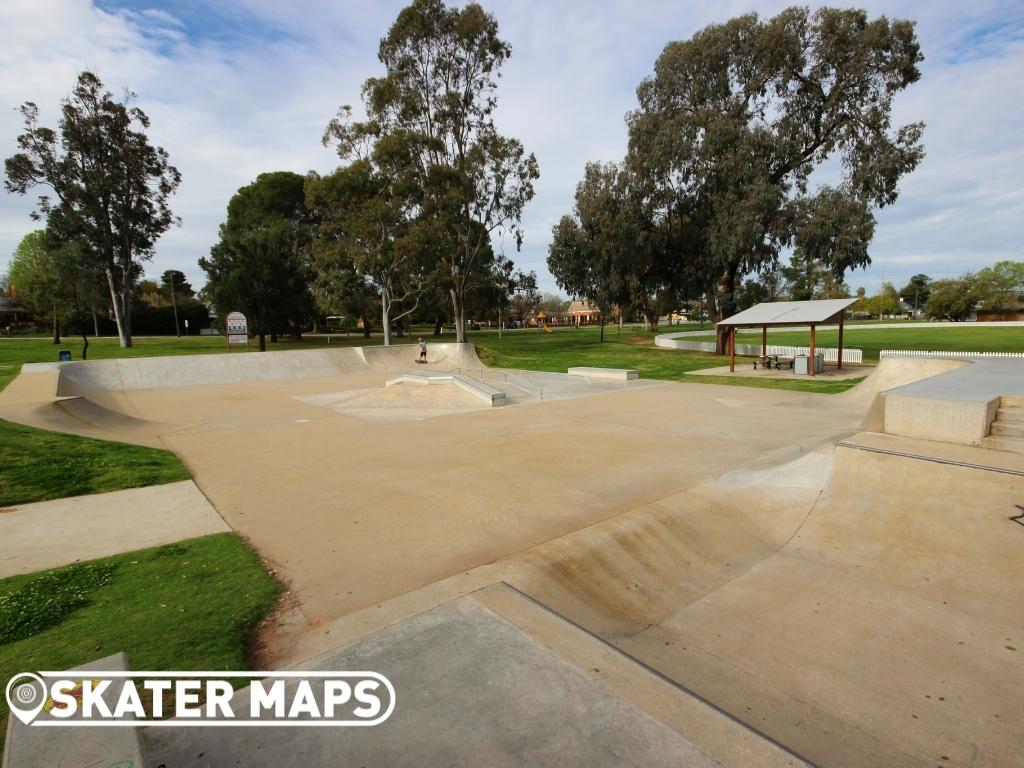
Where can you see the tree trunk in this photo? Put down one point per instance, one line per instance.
(652, 318)
(727, 306)
(273, 339)
(460, 315)
(85, 345)
(263, 342)
(437, 325)
(56, 327)
(95, 323)
(366, 327)
(600, 319)
(385, 315)
(118, 319)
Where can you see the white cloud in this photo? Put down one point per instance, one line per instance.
(250, 86)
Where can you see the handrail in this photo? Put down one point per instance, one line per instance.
(514, 377)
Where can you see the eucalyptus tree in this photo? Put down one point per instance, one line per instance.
(260, 265)
(734, 121)
(430, 117)
(612, 250)
(106, 187)
(368, 213)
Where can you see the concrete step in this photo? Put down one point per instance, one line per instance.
(1007, 428)
(1012, 401)
(997, 443)
(1009, 414)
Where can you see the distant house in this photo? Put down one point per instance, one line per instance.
(10, 310)
(1001, 315)
(907, 310)
(582, 313)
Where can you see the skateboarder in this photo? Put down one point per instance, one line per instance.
(423, 351)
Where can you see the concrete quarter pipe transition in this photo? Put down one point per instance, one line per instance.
(616, 573)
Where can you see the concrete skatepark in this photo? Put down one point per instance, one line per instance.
(602, 571)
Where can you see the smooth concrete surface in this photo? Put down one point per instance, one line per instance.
(478, 389)
(135, 373)
(964, 421)
(850, 607)
(119, 747)
(472, 689)
(47, 534)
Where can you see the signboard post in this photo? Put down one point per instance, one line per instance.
(237, 329)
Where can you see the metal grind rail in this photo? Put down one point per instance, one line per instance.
(513, 377)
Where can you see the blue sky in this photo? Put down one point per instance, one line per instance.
(238, 87)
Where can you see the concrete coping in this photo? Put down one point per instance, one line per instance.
(618, 374)
(478, 389)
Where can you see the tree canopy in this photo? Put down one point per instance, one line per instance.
(107, 188)
(430, 124)
(729, 130)
(260, 264)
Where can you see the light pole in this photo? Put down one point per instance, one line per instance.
(174, 303)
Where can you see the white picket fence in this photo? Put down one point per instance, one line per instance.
(831, 353)
(754, 350)
(956, 355)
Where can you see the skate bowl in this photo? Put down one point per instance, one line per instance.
(851, 604)
(199, 370)
(97, 398)
(736, 573)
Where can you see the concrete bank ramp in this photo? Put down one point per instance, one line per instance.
(876, 622)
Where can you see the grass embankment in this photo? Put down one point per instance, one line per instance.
(190, 605)
(871, 341)
(37, 465)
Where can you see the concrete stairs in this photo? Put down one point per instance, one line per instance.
(1007, 431)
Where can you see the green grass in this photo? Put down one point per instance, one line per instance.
(871, 340)
(562, 349)
(798, 385)
(190, 605)
(36, 465)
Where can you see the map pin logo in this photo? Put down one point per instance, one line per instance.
(26, 694)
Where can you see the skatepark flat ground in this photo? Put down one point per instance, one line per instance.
(851, 599)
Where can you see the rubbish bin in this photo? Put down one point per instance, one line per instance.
(801, 364)
(64, 355)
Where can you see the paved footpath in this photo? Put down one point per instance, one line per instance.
(48, 534)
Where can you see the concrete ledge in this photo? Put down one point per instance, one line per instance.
(478, 389)
(618, 374)
(952, 421)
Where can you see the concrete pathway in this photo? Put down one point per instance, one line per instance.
(47, 534)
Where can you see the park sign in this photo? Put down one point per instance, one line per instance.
(237, 328)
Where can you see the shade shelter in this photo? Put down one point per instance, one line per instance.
(787, 313)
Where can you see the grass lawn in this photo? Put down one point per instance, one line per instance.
(190, 605)
(36, 465)
(871, 341)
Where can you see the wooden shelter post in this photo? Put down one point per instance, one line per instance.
(732, 349)
(811, 365)
(764, 341)
(840, 357)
